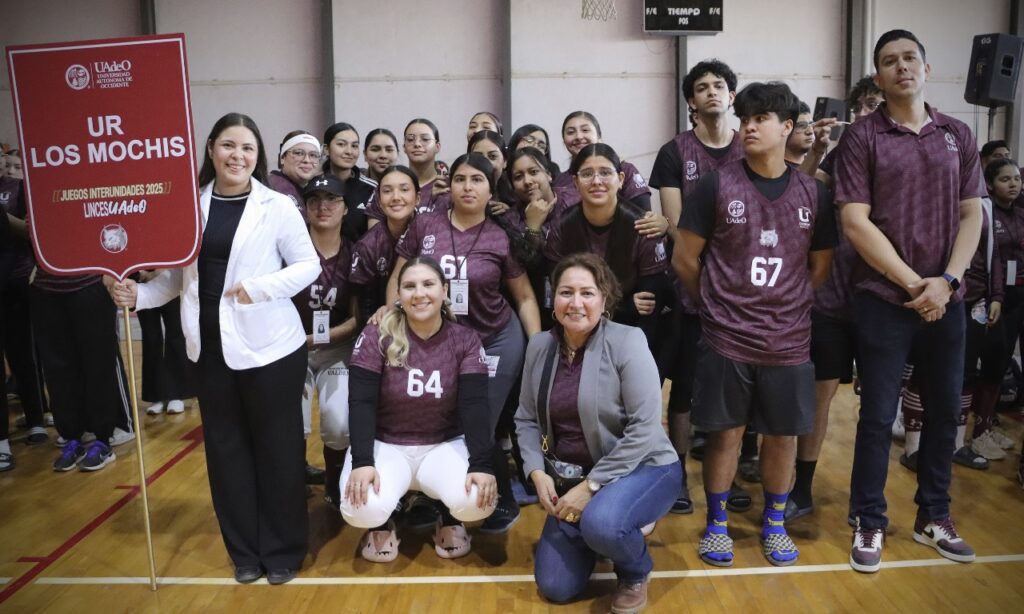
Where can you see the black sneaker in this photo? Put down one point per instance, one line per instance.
(966, 457)
(909, 461)
(750, 470)
(739, 499)
(70, 455)
(422, 513)
(501, 520)
(6, 462)
(97, 456)
(683, 505)
(36, 436)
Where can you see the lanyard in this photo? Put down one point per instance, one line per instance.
(455, 254)
(334, 271)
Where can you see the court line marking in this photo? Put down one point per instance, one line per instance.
(194, 437)
(514, 578)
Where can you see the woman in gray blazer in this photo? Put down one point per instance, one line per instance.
(595, 386)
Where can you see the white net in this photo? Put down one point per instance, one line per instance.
(599, 9)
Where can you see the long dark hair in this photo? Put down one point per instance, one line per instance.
(622, 235)
(207, 173)
(331, 132)
(585, 115)
(502, 189)
(526, 130)
(526, 152)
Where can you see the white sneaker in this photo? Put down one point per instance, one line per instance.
(176, 406)
(898, 430)
(155, 408)
(86, 437)
(1002, 440)
(120, 436)
(47, 419)
(986, 446)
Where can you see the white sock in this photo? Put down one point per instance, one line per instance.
(5, 446)
(961, 431)
(912, 442)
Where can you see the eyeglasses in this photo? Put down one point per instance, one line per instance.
(329, 203)
(870, 105)
(412, 138)
(299, 155)
(535, 142)
(803, 126)
(589, 174)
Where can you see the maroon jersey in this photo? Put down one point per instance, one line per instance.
(1009, 235)
(984, 278)
(755, 285)
(684, 159)
(373, 258)
(279, 182)
(426, 204)
(329, 292)
(633, 185)
(418, 403)
(649, 255)
(479, 254)
(914, 184)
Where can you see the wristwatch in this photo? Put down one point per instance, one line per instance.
(954, 283)
(593, 486)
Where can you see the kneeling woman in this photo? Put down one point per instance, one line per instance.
(591, 386)
(418, 419)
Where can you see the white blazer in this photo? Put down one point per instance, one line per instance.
(271, 231)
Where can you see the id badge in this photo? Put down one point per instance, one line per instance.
(459, 290)
(492, 365)
(1011, 272)
(979, 312)
(321, 327)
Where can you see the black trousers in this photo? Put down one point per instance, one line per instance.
(166, 370)
(16, 345)
(255, 456)
(77, 340)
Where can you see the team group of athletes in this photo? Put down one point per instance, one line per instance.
(402, 299)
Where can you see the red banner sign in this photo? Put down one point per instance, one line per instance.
(110, 171)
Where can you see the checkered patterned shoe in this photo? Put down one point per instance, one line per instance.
(779, 549)
(716, 549)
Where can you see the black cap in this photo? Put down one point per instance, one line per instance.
(324, 183)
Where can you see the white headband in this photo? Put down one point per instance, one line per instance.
(308, 139)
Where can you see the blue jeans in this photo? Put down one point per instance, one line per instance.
(885, 335)
(610, 527)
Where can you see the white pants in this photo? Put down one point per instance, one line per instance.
(439, 471)
(328, 376)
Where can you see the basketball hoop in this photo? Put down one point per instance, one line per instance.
(599, 9)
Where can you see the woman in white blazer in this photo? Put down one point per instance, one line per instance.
(242, 329)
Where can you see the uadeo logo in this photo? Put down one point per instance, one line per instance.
(77, 77)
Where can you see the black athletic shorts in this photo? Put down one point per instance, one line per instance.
(686, 333)
(730, 394)
(833, 347)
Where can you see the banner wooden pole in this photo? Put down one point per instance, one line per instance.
(138, 446)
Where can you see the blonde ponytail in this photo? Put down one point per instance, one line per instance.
(394, 338)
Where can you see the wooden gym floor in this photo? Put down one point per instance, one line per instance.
(74, 542)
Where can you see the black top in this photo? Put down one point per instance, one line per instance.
(219, 234)
(668, 166)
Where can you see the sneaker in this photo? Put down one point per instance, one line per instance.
(966, 457)
(750, 470)
(697, 446)
(942, 535)
(6, 461)
(87, 436)
(909, 461)
(501, 520)
(1001, 439)
(683, 505)
(176, 406)
(866, 553)
(97, 456)
(70, 456)
(986, 446)
(36, 436)
(451, 541)
(60, 442)
(421, 514)
(47, 419)
(629, 597)
(314, 475)
(898, 430)
(739, 499)
(120, 437)
(155, 409)
(20, 422)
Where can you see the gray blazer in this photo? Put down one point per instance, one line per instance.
(619, 403)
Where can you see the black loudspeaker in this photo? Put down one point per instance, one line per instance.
(994, 70)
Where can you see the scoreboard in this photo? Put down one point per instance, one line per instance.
(681, 17)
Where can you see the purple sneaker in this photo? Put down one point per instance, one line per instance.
(97, 456)
(942, 535)
(866, 553)
(70, 456)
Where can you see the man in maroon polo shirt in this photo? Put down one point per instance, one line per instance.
(908, 182)
(755, 236)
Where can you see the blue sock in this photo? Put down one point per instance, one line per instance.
(718, 517)
(774, 513)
